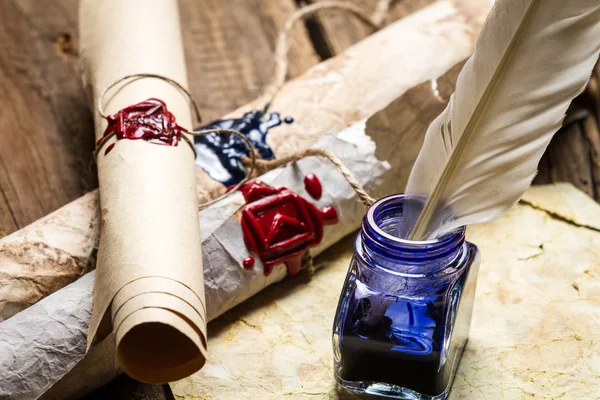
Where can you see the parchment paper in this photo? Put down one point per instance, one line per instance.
(331, 96)
(33, 341)
(149, 288)
(534, 332)
(48, 254)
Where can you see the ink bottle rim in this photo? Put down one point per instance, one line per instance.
(419, 258)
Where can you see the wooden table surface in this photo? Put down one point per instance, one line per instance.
(46, 128)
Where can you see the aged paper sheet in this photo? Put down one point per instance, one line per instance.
(534, 332)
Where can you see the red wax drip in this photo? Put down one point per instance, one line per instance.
(109, 148)
(149, 120)
(280, 225)
(312, 184)
(248, 262)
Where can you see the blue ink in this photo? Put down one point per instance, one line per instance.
(405, 309)
(220, 155)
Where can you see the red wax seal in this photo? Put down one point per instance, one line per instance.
(280, 225)
(149, 120)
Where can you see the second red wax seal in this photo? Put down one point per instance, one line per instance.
(280, 225)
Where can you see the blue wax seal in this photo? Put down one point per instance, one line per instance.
(220, 155)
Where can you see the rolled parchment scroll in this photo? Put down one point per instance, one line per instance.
(149, 288)
(331, 96)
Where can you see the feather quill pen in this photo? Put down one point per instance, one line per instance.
(481, 154)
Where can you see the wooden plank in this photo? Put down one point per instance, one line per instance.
(591, 127)
(574, 153)
(592, 134)
(333, 31)
(45, 124)
(568, 159)
(229, 49)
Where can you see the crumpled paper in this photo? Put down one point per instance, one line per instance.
(534, 332)
(62, 245)
(33, 341)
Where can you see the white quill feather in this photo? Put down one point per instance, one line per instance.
(479, 156)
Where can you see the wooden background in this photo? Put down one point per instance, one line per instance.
(46, 128)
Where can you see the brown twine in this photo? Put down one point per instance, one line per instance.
(281, 51)
(100, 104)
(267, 165)
(106, 138)
(252, 161)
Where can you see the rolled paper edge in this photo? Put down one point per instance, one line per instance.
(159, 284)
(156, 323)
(165, 301)
(170, 247)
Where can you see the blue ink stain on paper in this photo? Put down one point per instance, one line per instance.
(220, 155)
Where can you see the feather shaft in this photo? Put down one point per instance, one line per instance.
(433, 201)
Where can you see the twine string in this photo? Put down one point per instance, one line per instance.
(252, 161)
(375, 21)
(173, 82)
(263, 166)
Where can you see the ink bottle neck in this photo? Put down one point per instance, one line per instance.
(380, 249)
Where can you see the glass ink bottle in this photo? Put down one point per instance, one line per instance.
(405, 309)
